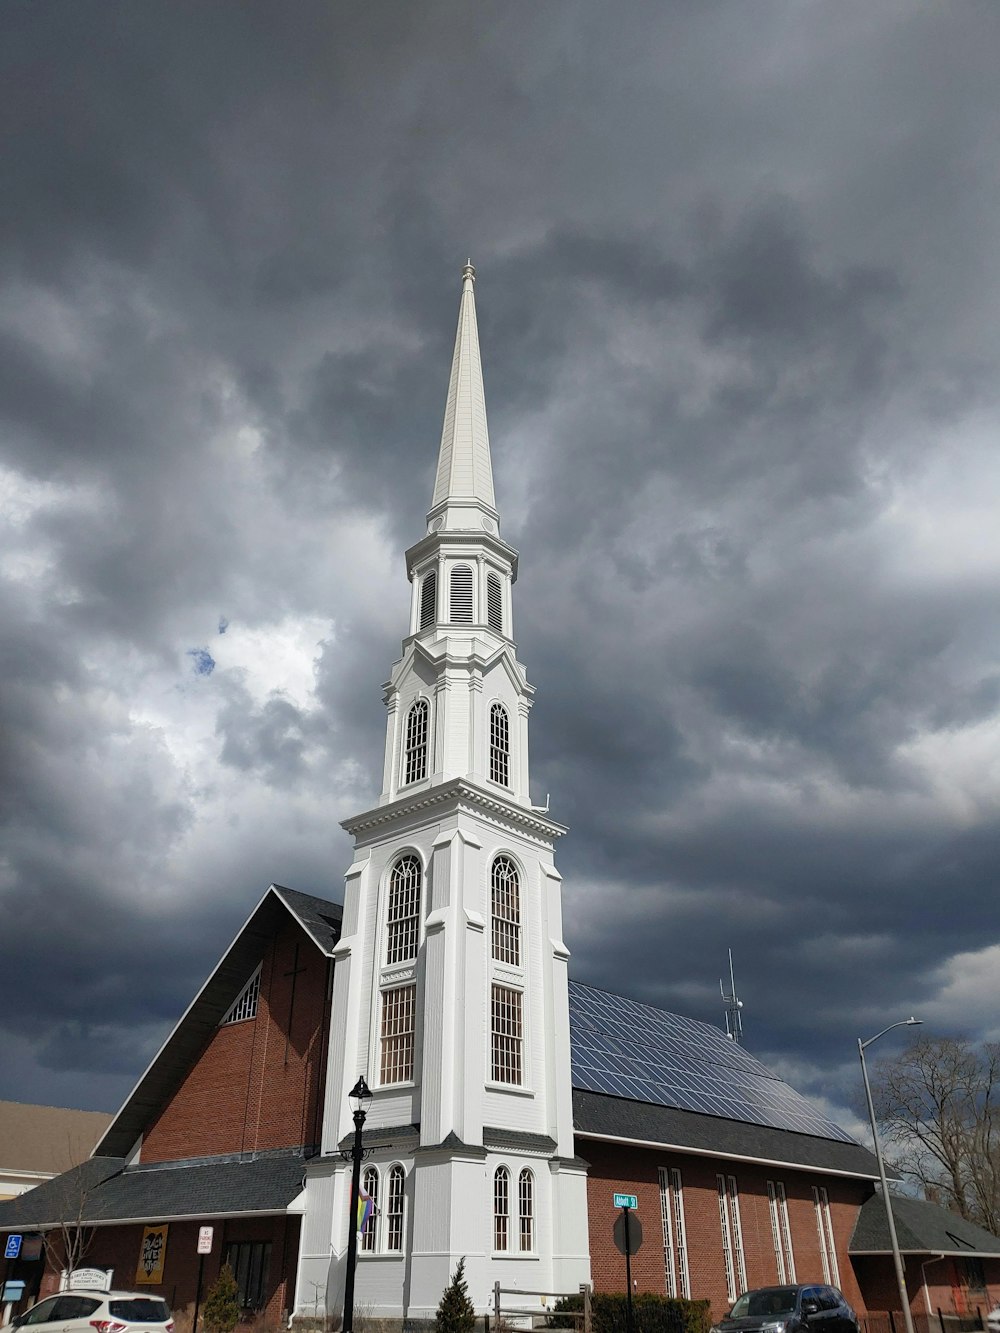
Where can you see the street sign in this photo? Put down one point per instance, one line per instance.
(13, 1247)
(205, 1240)
(634, 1234)
(626, 1201)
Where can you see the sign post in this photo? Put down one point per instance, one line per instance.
(628, 1238)
(204, 1247)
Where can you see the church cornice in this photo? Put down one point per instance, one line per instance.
(461, 540)
(456, 793)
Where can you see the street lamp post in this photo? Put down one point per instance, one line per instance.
(360, 1096)
(897, 1258)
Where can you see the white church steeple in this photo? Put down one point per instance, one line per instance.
(450, 983)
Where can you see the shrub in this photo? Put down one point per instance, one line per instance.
(456, 1314)
(651, 1313)
(221, 1313)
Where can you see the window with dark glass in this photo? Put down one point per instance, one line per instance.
(499, 745)
(501, 1208)
(506, 905)
(415, 751)
(369, 1183)
(404, 910)
(394, 1209)
(526, 1210)
(249, 1261)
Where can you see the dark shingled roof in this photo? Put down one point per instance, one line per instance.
(321, 921)
(921, 1228)
(161, 1191)
(643, 1122)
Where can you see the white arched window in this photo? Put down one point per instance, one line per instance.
(501, 1209)
(526, 1210)
(505, 892)
(415, 750)
(369, 1184)
(394, 1195)
(499, 745)
(461, 595)
(404, 910)
(494, 603)
(428, 600)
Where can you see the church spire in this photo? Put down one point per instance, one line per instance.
(463, 487)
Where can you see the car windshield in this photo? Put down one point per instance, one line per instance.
(140, 1310)
(770, 1302)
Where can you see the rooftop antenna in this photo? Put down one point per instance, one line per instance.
(734, 1023)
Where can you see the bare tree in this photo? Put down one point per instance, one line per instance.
(938, 1104)
(67, 1242)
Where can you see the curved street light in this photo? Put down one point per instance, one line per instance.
(897, 1258)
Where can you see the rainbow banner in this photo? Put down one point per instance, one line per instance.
(365, 1209)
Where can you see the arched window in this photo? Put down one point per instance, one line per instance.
(501, 1209)
(461, 595)
(415, 752)
(404, 910)
(526, 1210)
(394, 1209)
(428, 599)
(369, 1184)
(506, 900)
(494, 603)
(499, 745)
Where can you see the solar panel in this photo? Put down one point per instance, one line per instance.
(626, 1049)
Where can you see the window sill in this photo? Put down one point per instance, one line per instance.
(393, 1087)
(370, 1257)
(516, 1254)
(516, 1089)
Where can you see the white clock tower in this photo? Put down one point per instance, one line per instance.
(450, 984)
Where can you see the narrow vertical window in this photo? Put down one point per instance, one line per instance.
(779, 1249)
(415, 751)
(506, 902)
(369, 1183)
(738, 1251)
(680, 1231)
(781, 1231)
(398, 1028)
(461, 595)
(499, 745)
(394, 1209)
(494, 603)
(727, 1239)
(428, 600)
(501, 1208)
(824, 1228)
(507, 1034)
(666, 1221)
(526, 1210)
(403, 918)
(786, 1230)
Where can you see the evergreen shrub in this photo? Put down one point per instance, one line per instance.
(456, 1313)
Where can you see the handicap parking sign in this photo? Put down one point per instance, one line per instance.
(13, 1247)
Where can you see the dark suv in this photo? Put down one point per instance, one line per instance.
(790, 1309)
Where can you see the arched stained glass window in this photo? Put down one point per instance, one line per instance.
(494, 603)
(501, 1209)
(499, 745)
(461, 595)
(404, 910)
(505, 892)
(428, 600)
(415, 752)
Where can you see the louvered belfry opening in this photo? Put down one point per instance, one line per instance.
(494, 603)
(428, 600)
(461, 595)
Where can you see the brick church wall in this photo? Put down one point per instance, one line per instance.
(250, 1089)
(618, 1167)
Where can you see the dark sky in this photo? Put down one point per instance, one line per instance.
(739, 272)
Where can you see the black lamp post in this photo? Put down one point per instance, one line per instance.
(360, 1096)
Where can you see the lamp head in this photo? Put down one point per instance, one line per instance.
(913, 1022)
(360, 1095)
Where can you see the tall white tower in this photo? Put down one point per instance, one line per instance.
(450, 985)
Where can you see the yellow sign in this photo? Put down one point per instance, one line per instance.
(152, 1254)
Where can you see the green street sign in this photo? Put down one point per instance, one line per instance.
(626, 1201)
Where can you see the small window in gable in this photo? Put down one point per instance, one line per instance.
(461, 595)
(499, 745)
(494, 603)
(415, 755)
(428, 600)
(245, 1004)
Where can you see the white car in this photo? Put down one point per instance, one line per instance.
(82, 1311)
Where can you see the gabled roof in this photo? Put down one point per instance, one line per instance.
(105, 1190)
(321, 922)
(47, 1139)
(921, 1228)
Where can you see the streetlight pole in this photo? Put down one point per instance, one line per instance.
(360, 1096)
(897, 1258)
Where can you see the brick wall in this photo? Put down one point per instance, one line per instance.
(250, 1088)
(615, 1167)
(947, 1288)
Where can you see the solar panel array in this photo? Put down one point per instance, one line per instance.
(626, 1049)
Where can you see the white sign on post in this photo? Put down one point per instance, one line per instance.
(205, 1240)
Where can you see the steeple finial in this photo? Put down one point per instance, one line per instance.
(463, 488)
